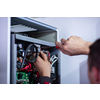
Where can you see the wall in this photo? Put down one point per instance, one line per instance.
(4, 50)
(74, 68)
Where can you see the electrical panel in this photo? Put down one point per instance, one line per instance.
(29, 37)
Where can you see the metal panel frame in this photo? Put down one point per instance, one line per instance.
(29, 39)
(13, 60)
(28, 21)
(33, 23)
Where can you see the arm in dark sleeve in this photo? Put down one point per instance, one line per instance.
(44, 80)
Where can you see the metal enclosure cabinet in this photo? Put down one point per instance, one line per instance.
(27, 31)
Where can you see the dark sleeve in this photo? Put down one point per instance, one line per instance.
(44, 80)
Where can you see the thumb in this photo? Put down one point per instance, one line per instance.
(44, 56)
(60, 45)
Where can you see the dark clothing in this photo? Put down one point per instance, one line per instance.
(44, 80)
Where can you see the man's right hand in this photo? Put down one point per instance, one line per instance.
(74, 46)
(43, 65)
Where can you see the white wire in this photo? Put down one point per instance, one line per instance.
(53, 59)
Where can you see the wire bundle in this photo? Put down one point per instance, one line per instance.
(28, 60)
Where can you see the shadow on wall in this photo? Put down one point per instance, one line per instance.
(84, 73)
(70, 78)
(98, 30)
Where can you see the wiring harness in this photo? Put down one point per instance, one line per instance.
(32, 59)
(25, 63)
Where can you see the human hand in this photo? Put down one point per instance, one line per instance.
(43, 65)
(74, 46)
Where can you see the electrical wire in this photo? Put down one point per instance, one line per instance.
(24, 58)
(53, 59)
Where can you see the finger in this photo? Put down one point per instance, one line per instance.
(44, 56)
(64, 41)
(38, 60)
(60, 45)
(65, 52)
(34, 54)
(37, 65)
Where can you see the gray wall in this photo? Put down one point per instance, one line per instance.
(74, 69)
(4, 50)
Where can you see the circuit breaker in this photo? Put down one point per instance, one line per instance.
(29, 37)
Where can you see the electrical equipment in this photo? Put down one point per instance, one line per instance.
(26, 72)
(28, 37)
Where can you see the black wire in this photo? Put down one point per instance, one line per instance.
(20, 54)
(26, 54)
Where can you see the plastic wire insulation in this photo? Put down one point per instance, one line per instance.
(26, 54)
